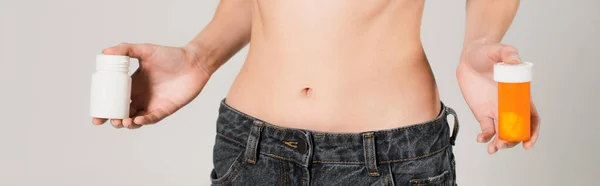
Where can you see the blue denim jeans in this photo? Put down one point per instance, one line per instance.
(249, 151)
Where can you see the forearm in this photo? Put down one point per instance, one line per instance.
(488, 20)
(224, 36)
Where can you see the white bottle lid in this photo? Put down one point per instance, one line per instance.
(112, 62)
(513, 73)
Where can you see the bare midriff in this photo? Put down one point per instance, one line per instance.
(336, 66)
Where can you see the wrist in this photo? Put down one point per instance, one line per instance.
(473, 45)
(475, 42)
(200, 54)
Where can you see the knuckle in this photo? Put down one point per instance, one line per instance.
(154, 119)
(510, 48)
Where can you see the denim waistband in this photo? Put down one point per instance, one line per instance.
(306, 147)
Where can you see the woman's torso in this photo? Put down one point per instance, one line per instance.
(336, 66)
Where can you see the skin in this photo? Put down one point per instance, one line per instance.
(335, 66)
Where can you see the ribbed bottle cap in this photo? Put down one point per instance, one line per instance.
(513, 73)
(112, 62)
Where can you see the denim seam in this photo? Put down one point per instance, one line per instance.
(418, 125)
(281, 157)
(443, 177)
(230, 177)
(379, 132)
(229, 108)
(340, 162)
(384, 161)
(391, 177)
(416, 157)
(230, 139)
(253, 118)
(284, 174)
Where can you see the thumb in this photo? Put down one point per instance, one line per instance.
(503, 53)
(132, 50)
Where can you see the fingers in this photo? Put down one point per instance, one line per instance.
(497, 144)
(535, 128)
(116, 123)
(128, 123)
(487, 129)
(127, 49)
(140, 118)
(98, 121)
(510, 55)
(120, 123)
(500, 144)
(145, 118)
(492, 147)
(504, 53)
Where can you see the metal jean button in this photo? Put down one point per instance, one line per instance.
(302, 146)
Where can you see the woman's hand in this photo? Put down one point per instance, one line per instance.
(168, 78)
(475, 78)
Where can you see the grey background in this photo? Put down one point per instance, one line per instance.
(47, 51)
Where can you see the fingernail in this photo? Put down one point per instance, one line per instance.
(515, 57)
(494, 150)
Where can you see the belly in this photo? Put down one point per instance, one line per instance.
(336, 66)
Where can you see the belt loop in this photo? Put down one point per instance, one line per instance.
(309, 149)
(370, 158)
(253, 139)
(455, 130)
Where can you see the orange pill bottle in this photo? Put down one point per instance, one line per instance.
(514, 101)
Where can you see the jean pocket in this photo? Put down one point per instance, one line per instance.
(230, 174)
(228, 160)
(438, 180)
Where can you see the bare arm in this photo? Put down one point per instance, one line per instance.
(488, 20)
(487, 23)
(225, 35)
(171, 77)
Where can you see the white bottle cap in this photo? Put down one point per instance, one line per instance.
(112, 62)
(513, 73)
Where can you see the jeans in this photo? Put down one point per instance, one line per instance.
(249, 151)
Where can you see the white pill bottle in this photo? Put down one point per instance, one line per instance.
(111, 87)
